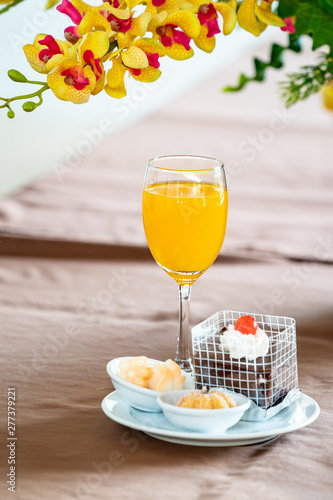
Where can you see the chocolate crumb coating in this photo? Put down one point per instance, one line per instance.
(265, 380)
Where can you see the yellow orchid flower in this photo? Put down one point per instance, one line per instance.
(153, 50)
(91, 50)
(46, 52)
(140, 24)
(97, 42)
(255, 18)
(177, 41)
(327, 96)
(208, 17)
(70, 81)
(139, 29)
(141, 60)
(75, 10)
(156, 6)
(115, 86)
(107, 18)
(157, 20)
(51, 3)
(131, 4)
(228, 13)
(94, 20)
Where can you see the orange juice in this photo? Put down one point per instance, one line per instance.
(185, 224)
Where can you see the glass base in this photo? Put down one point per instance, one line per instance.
(185, 364)
(183, 278)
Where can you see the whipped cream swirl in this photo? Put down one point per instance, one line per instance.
(239, 345)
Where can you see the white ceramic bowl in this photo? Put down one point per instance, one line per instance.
(134, 395)
(202, 420)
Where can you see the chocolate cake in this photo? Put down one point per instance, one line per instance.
(266, 380)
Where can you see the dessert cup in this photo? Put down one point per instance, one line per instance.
(202, 420)
(266, 379)
(134, 395)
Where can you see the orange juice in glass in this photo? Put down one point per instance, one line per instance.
(185, 206)
(185, 224)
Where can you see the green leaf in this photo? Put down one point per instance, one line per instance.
(277, 56)
(16, 76)
(307, 81)
(295, 44)
(260, 68)
(313, 17)
(327, 4)
(243, 79)
(29, 106)
(288, 8)
(276, 61)
(113, 45)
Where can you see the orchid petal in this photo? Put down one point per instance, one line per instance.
(247, 18)
(148, 45)
(135, 58)
(157, 20)
(71, 34)
(99, 84)
(289, 24)
(229, 15)
(204, 43)
(148, 75)
(178, 52)
(187, 21)
(115, 79)
(68, 8)
(65, 92)
(123, 14)
(115, 75)
(32, 52)
(140, 24)
(170, 6)
(117, 92)
(265, 15)
(51, 44)
(80, 81)
(97, 42)
(93, 20)
(207, 16)
(327, 96)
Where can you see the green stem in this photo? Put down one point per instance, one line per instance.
(308, 81)
(37, 93)
(9, 6)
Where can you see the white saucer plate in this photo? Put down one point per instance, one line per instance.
(301, 413)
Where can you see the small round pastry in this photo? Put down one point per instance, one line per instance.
(203, 400)
(136, 370)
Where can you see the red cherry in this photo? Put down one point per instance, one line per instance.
(246, 325)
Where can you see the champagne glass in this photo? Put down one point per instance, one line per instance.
(185, 206)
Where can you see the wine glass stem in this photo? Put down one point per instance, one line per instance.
(184, 350)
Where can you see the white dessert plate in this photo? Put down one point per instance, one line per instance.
(299, 414)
